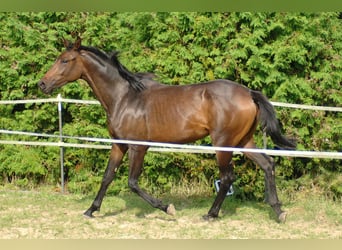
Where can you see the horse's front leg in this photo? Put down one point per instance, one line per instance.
(117, 153)
(136, 159)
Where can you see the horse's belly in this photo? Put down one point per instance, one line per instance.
(176, 132)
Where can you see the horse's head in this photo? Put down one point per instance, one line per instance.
(67, 68)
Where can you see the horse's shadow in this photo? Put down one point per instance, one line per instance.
(134, 204)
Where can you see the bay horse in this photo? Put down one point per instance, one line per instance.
(140, 108)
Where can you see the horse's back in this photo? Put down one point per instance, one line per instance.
(190, 112)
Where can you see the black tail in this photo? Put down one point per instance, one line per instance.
(269, 121)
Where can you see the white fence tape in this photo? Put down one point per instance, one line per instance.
(158, 146)
(76, 101)
(163, 147)
(309, 107)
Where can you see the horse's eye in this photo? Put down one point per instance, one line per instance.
(64, 61)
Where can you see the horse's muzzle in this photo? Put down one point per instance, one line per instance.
(43, 87)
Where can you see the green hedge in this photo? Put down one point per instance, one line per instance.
(290, 57)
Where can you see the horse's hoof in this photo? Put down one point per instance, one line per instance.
(171, 210)
(209, 217)
(282, 217)
(88, 215)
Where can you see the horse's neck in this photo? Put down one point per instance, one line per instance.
(106, 83)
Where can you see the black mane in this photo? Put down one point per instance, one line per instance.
(134, 80)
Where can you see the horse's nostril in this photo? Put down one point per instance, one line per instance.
(45, 88)
(41, 84)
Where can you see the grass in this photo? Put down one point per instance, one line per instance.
(45, 214)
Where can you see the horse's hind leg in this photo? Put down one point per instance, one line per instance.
(226, 177)
(267, 164)
(115, 159)
(136, 158)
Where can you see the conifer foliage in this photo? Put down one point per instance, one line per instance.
(290, 57)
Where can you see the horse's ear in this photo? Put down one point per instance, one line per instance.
(77, 43)
(66, 43)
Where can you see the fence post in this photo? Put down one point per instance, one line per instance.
(61, 149)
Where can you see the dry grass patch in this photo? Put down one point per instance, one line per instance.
(50, 215)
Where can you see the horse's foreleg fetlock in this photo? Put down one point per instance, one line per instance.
(90, 211)
(96, 205)
(169, 209)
